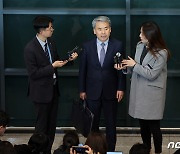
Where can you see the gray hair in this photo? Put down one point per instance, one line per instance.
(102, 19)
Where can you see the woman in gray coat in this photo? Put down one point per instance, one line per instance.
(148, 83)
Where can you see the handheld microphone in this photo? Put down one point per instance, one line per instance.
(118, 54)
(117, 58)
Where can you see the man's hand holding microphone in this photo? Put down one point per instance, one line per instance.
(72, 55)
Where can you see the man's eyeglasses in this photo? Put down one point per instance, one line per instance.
(49, 28)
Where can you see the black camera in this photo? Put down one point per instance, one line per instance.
(118, 58)
(79, 149)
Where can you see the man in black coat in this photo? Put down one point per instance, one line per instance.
(42, 61)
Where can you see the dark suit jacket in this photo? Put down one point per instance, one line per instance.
(40, 71)
(96, 80)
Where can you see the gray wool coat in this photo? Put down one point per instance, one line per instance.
(148, 85)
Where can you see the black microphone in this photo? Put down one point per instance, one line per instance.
(117, 58)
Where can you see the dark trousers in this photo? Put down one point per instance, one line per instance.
(149, 127)
(109, 109)
(46, 119)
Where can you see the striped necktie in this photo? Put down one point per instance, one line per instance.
(46, 51)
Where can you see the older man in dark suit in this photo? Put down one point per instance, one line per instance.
(42, 61)
(99, 82)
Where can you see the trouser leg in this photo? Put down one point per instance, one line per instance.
(110, 110)
(145, 132)
(46, 119)
(95, 107)
(157, 135)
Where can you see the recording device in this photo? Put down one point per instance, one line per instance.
(76, 49)
(118, 58)
(79, 149)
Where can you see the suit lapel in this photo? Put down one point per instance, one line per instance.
(108, 52)
(139, 51)
(40, 49)
(147, 58)
(95, 53)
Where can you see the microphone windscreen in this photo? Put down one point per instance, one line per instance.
(118, 54)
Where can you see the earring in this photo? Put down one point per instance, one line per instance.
(147, 44)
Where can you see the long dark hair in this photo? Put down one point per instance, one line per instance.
(97, 142)
(155, 40)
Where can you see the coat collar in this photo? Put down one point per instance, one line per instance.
(139, 51)
(40, 49)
